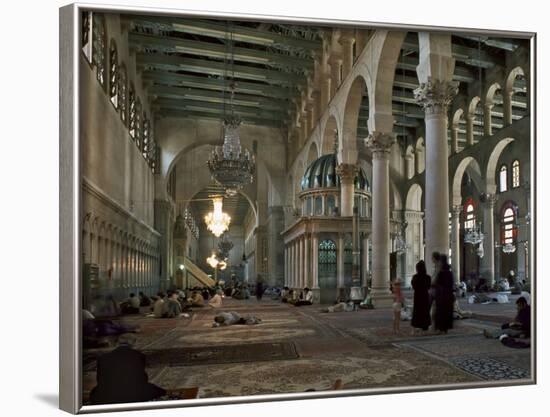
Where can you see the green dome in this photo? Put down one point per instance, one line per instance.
(321, 173)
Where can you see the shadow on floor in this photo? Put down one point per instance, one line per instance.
(50, 399)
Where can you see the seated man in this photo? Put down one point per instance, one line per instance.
(216, 301)
(519, 327)
(121, 376)
(131, 305)
(305, 299)
(284, 294)
(227, 318)
(196, 299)
(158, 306)
(144, 301)
(171, 306)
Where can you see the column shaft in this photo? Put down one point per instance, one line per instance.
(455, 242)
(487, 268)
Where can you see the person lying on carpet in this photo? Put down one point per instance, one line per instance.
(338, 307)
(520, 327)
(228, 318)
(121, 376)
(94, 329)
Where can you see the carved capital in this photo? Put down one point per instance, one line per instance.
(456, 210)
(488, 199)
(436, 95)
(347, 172)
(380, 144)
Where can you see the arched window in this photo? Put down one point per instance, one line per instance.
(318, 204)
(99, 46)
(122, 93)
(503, 179)
(508, 226)
(86, 40)
(469, 214)
(139, 124)
(515, 174)
(132, 111)
(113, 74)
(331, 204)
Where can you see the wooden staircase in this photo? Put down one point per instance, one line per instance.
(198, 273)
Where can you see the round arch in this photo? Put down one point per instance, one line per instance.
(312, 154)
(330, 130)
(492, 162)
(414, 198)
(456, 193)
(347, 146)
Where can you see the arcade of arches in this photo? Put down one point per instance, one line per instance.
(421, 137)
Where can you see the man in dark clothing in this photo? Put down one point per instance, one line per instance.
(121, 377)
(519, 327)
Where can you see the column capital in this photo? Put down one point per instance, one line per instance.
(488, 199)
(456, 210)
(380, 144)
(436, 95)
(347, 172)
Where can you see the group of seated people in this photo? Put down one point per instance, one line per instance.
(302, 298)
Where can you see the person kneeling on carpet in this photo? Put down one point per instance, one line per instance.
(228, 318)
(121, 376)
(520, 327)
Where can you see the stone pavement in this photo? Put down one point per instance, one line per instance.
(300, 348)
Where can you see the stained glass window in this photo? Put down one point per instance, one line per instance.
(508, 229)
(515, 174)
(503, 179)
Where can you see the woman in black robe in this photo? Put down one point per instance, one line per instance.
(444, 297)
(421, 283)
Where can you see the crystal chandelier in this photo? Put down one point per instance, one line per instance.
(224, 247)
(474, 235)
(400, 242)
(217, 221)
(216, 263)
(230, 165)
(509, 248)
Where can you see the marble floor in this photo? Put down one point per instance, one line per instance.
(296, 349)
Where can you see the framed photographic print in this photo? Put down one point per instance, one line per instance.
(261, 208)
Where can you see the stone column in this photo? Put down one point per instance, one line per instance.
(455, 241)
(294, 264)
(335, 75)
(435, 96)
(487, 268)
(507, 107)
(365, 262)
(301, 261)
(347, 174)
(487, 120)
(314, 261)
(340, 265)
(307, 268)
(380, 145)
(325, 91)
(164, 223)
(286, 266)
(347, 46)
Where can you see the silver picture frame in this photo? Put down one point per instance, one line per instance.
(70, 349)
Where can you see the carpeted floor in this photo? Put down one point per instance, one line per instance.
(296, 349)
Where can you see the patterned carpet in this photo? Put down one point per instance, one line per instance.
(297, 349)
